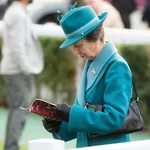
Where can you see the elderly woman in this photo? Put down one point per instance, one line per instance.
(105, 89)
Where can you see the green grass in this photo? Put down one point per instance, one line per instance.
(22, 147)
(1, 145)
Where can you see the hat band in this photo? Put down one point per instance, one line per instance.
(84, 28)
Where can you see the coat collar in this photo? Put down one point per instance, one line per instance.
(97, 64)
(82, 86)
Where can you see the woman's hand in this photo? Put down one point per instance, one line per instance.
(62, 112)
(51, 125)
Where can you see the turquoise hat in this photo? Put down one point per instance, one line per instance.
(78, 22)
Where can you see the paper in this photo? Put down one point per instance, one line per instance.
(42, 108)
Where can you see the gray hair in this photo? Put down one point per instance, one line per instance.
(98, 33)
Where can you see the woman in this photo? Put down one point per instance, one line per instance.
(111, 90)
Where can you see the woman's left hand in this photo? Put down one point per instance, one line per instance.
(62, 112)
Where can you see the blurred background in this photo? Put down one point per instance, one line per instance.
(59, 80)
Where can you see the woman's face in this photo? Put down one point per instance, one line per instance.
(85, 49)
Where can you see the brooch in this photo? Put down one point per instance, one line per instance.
(93, 71)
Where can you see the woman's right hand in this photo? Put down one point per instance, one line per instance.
(51, 125)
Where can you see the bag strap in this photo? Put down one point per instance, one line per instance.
(135, 91)
(134, 88)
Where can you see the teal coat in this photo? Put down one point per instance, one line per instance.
(113, 91)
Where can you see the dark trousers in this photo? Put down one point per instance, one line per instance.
(21, 92)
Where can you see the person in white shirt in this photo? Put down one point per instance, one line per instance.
(22, 57)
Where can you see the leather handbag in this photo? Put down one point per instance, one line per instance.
(134, 120)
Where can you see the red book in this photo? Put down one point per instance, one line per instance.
(42, 108)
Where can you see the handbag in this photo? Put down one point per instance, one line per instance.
(134, 120)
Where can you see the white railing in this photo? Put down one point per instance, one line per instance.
(119, 36)
(51, 144)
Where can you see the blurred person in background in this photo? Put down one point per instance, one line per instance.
(146, 13)
(113, 20)
(110, 1)
(103, 98)
(21, 58)
(125, 7)
(140, 4)
(2, 8)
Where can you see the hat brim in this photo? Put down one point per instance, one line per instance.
(71, 41)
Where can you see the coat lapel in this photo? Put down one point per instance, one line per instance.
(96, 67)
(82, 86)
